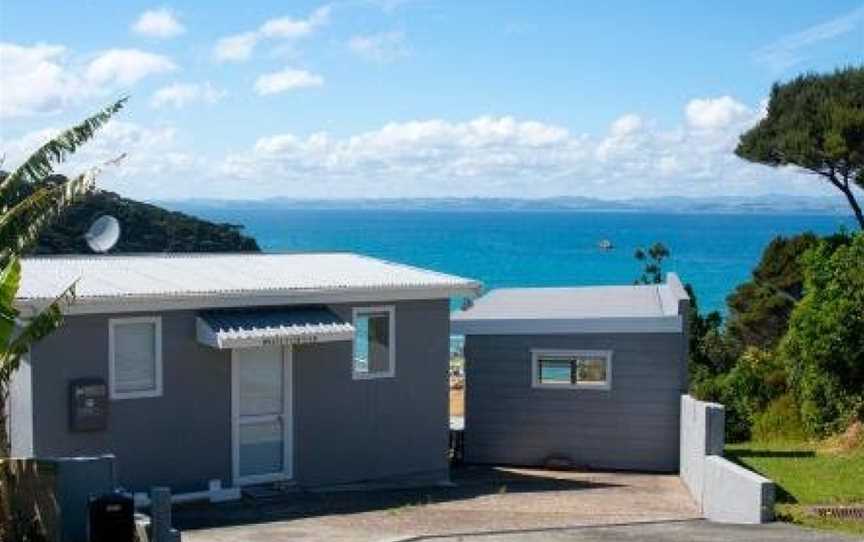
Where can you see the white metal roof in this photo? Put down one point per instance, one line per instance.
(571, 310)
(252, 328)
(164, 281)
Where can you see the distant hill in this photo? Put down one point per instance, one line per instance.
(145, 228)
(766, 204)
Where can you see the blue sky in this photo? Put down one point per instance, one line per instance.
(416, 98)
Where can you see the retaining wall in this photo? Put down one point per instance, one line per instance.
(724, 491)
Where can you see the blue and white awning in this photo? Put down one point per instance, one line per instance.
(267, 327)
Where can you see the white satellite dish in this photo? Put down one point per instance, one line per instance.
(103, 234)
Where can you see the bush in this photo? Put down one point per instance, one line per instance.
(756, 379)
(824, 348)
(781, 421)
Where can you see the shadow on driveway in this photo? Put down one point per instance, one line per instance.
(468, 483)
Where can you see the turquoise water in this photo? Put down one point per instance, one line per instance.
(501, 248)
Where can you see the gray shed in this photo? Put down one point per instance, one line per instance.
(206, 373)
(589, 375)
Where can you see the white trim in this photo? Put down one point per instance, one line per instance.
(552, 326)
(216, 300)
(215, 494)
(536, 355)
(157, 391)
(287, 423)
(391, 347)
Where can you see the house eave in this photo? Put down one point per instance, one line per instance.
(560, 326)
(219, 300)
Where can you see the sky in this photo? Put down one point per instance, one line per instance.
(410, 98)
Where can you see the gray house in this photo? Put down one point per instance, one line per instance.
(590, 376)
(208, 372)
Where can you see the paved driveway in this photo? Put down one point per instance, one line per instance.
(480, 500)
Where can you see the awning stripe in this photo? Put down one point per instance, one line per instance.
(263, 327)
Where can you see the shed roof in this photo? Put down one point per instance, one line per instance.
(217, 280)
(580, 309)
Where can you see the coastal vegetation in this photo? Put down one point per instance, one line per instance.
(788, 362)
(145, 228)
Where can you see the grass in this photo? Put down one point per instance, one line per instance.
(807, 475)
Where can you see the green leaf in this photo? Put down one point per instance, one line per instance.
(41, 163)
(10, 278)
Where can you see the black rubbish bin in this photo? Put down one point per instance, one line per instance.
(111, 518)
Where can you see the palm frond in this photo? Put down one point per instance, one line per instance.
(34, 329)
(41, 163)
(21, 225)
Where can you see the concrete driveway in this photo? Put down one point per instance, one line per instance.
(481, 500)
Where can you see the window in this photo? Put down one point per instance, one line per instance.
(135, 357)
(374, 342)
(571, 369)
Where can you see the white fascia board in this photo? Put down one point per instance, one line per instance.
(543, 326)
(217, 300)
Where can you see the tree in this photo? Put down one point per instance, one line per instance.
(652, 258)
(30, 197)
(815, 122)
(824, 347)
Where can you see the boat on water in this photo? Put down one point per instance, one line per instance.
(605, 244)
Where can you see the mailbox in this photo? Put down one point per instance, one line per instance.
(88, 404)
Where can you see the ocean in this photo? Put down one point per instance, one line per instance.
(713, 252)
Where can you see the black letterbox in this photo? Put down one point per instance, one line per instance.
(111, 518)
(88, 404)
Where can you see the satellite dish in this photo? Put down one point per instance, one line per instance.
(103, 234)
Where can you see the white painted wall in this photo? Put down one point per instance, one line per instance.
(20, 410)
(724, 491)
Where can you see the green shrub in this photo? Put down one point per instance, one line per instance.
(779, 422)
(824, 348)
(753, 383)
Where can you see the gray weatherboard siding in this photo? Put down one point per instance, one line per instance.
(344, 430)
(633, 426)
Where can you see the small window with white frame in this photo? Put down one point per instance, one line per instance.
(374, 353)
(571, 369)
(135, 357)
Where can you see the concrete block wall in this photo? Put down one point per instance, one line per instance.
(724, 491)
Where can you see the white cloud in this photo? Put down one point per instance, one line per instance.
(285, 80)
(504, 156)
(626, 125)
(159, 23)
(180, 94)
(36, 80)
(239, 47)
(382, 48)
(235, 48)
(792, 49)
(45, 78)
(482, 156)
(715, 113)
(154, 164)
(289, 28)
(126, 66)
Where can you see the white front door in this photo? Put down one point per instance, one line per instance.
(261, 414)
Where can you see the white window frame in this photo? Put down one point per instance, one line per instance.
(391, 311)
(118, 395)
(537, 355)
